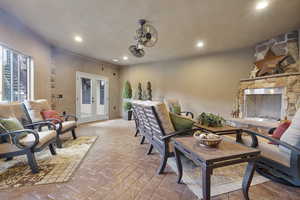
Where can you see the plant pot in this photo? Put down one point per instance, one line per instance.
(127, 115)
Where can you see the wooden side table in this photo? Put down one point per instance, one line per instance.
(227, 153)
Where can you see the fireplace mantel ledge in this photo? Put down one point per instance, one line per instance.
(271, 76)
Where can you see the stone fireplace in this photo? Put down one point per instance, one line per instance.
(275, 94)
(271, 97)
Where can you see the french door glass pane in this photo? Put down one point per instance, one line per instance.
(86, 96)
(100, 97)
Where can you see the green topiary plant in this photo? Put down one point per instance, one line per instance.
(209, 119)
(140, 92)
(149, 91)
(127, 92)
(127, 106)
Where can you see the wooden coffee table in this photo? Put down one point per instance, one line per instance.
(227, 153)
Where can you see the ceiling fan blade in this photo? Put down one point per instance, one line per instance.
(137, 52)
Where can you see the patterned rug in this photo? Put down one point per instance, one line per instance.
(53, 169)
(223, 180)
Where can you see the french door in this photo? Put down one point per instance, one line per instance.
(91, 97)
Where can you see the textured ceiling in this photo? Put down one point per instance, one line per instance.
(108, 26)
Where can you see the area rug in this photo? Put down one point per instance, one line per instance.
(53, 169)
(223, 180)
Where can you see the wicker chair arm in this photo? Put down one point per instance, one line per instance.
(15, 135)
(278, 142)
(178, 133)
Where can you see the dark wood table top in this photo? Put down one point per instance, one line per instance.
(225, 128)
(227, 149)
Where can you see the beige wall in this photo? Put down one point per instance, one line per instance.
(16, 36)
(206, 83)
(66, 64)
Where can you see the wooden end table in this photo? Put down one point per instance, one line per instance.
(227, 153)
(224, 130)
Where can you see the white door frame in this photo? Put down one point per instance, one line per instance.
(78, 95)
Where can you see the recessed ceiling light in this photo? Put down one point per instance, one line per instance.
(262, 5)
(115, 60)
(200, 44)
(78, 38)
(125, 58)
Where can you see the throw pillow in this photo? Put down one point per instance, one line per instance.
(279, 131)
(13, 124)
(181, 123)
(163, 115)
(51, 114)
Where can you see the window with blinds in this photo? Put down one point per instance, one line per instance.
(16, 75)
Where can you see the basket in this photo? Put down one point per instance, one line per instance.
(209, 142)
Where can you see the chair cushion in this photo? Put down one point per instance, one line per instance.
(67, 124)
(8, 148)
(292, 134)
(35, 107)
(44, 137)
(269, 151)
(164, 117)
(180, 122)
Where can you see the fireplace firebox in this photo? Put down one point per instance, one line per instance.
(264, 104)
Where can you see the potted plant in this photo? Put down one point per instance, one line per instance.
(127, 110)
(149, 91)
(140, 92)
(211, 120)
(127, 95)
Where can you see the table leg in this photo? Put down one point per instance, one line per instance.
(179, 164)
(248, 178)
(239, 136)
(206, 172)
(142, 140)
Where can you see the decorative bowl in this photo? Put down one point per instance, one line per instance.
(207, 139)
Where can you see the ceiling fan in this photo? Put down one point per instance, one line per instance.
(146, 36)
